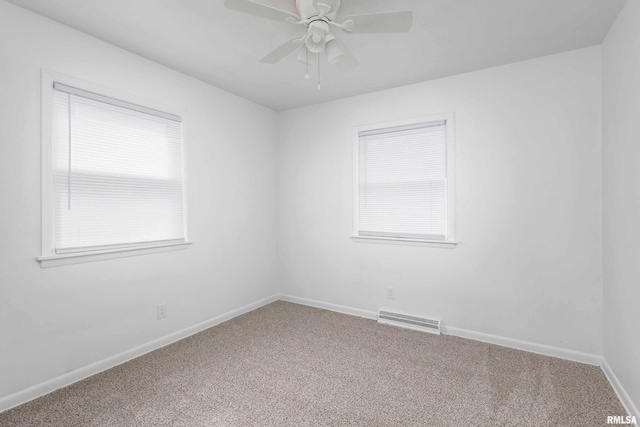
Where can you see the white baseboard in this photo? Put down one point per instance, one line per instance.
(547, 350)
(628, 404)
(331, 307)
(69, 378)
(46, 387)
(576, 356)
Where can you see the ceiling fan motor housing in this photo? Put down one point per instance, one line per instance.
(308, 8)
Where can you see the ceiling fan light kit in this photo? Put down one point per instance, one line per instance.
(318, 17)
(316, 37)
(334, 50)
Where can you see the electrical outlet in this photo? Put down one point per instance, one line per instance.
(391, 293)
(162, 310)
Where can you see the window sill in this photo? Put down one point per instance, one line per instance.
(77, 258)
(443, 244)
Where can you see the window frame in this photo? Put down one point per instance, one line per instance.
(48, 256)
(450, 242)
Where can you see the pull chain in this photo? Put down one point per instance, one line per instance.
(318, 59)
(306, 63)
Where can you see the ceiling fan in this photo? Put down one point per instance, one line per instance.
(318, 17)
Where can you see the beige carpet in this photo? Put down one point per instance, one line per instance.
(291, 365)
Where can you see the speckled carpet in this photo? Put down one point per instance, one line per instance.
(290, 365)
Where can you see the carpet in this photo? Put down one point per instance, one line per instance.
(286, 364)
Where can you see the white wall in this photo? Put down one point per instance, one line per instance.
(529, 262)
(529, 187)
(621, 140)
(56, 320)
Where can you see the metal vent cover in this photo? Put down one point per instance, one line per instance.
(409, 322)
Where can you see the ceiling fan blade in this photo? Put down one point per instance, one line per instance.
(383, 22)
(281, 52)
(248, 6)
(347, 62)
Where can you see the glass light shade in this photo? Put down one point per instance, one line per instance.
(334, 51)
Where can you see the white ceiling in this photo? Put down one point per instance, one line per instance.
(222, 47)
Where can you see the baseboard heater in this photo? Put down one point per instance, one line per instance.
(410, 322)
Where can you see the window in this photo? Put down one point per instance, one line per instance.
(117, 176)
(404, 181)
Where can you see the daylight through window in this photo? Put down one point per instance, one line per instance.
(402, 182)
(118, 174)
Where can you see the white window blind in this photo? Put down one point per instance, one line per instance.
(402, 182)
(118, 174)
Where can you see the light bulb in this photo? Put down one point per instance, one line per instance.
(316, 36)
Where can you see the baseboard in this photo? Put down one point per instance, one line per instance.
(561, 353)
(331, 307)
(628, 404)
(546, 350)
(49, 386)
(69, 378)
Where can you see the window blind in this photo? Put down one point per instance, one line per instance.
(402, 182)
(118, 174)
